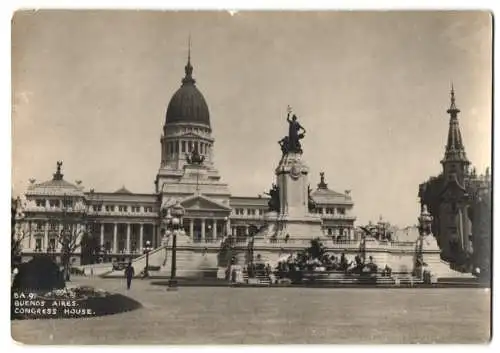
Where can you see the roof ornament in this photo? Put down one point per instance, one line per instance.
(322, 184)
(58, 175)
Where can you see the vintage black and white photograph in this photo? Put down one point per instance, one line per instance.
(251, 177)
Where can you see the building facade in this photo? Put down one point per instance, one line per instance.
(456, 199)
(125, 223)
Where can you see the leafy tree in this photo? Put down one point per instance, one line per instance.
(17, 234)
(75, 227)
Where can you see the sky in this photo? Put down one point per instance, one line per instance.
(91, 88)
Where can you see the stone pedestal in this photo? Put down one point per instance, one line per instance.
(431, 254)
(294, 219)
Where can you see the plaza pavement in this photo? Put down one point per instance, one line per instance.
(219, 315)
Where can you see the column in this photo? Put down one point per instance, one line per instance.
(102, 234)
(228, 227)
(128, 238)
(214, 230)
(191, 228)
(141, 237)
(203, 230)
(115, 238)
(246, 230)
(153, 242)
(46, 236)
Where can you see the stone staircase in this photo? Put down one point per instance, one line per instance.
(442, 270)
(155, 261)
(258, 280)
(341, 279)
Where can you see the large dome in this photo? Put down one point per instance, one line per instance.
(188, 104)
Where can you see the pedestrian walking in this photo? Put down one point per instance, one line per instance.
(129, 274)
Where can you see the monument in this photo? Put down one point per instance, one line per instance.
(289, 218)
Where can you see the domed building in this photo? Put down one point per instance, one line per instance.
(127, 224)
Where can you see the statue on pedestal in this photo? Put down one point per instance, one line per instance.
(274, 202)
(195, 157)
(291, 143)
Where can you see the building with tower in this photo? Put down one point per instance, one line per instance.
(453, 199)
(124, 223)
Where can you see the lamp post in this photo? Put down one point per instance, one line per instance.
(146, 250)
(175, 224)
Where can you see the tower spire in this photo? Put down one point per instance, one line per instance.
(188, 69)
(453, 108)
(189, 49)
(455, 150)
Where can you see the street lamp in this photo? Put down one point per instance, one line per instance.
(146, 251)
(175, 224)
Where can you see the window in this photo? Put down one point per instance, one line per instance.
(38, 225)
(110, 208)
(148, 209)
(97, 208)
(320, 210)
(38, 244)
(251, 212)
(122, 208)
(54, 203)
(176, 147)
(330, 232)
(40, 203)
(52, 244)
(190, 146)
(329, 210)
(238, 211)
(341, 211)
(53, 226)
(183, 146)
(261, 212)
(67, 203)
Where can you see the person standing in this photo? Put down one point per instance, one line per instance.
(129, 274)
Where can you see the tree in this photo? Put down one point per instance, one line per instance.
(17, 233)
(74, 227)
(89, 247)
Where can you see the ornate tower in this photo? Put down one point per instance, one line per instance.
(455, 162)
(187, 132)
(454, 224)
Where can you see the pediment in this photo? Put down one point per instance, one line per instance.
(197, 203)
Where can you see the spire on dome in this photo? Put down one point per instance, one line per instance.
(188, 69)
